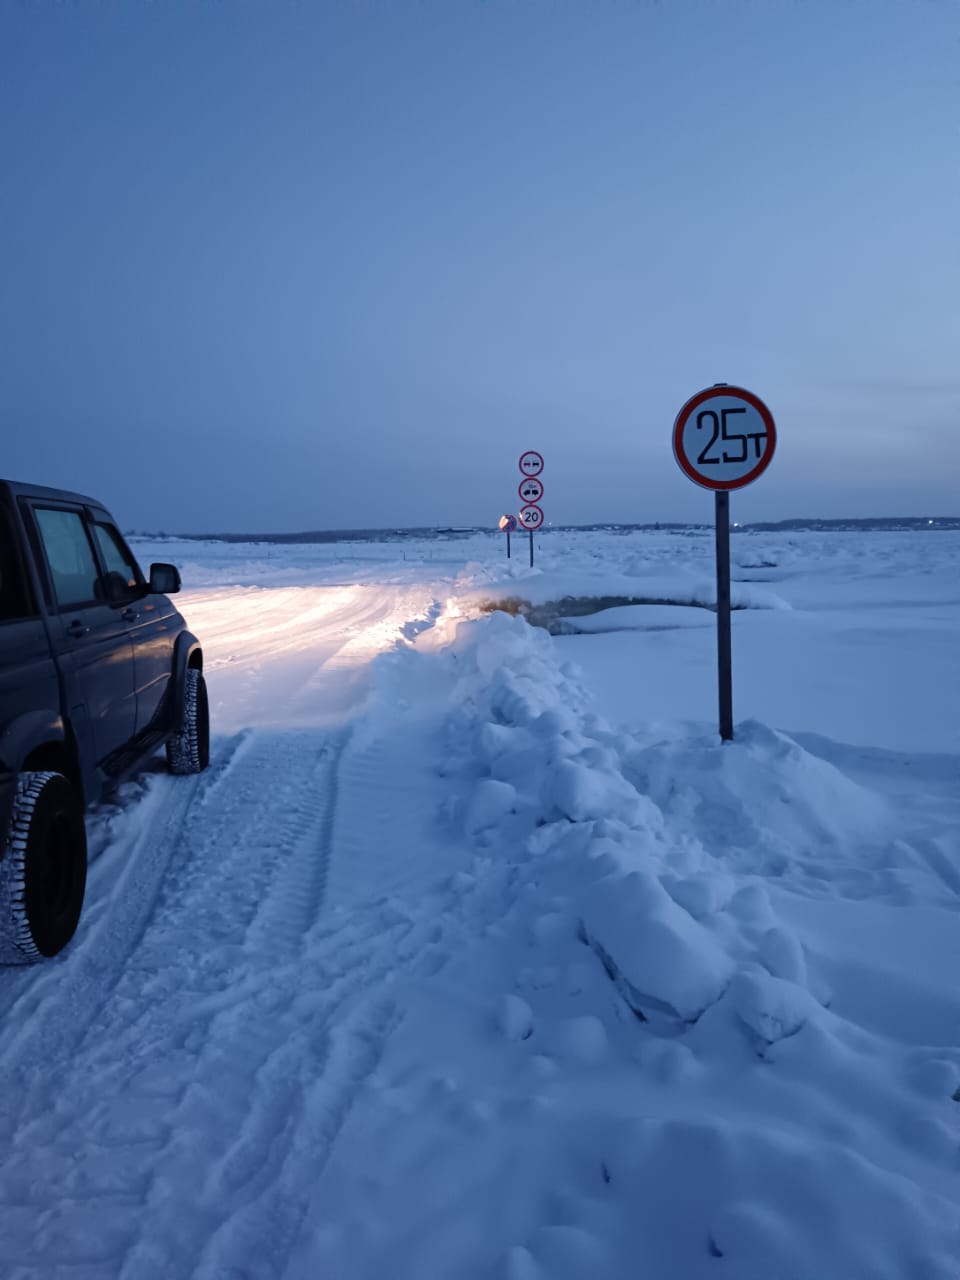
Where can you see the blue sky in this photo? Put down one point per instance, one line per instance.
(298, 265)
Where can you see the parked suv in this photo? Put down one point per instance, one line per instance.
(97, 671)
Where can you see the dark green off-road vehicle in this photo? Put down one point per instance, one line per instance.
(97, 671)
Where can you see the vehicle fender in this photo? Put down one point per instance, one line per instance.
(187, 653)
(27, 732)
(17, 740)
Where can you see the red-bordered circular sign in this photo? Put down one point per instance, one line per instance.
(724, 437)
(531, 489)
(531, 463)
(531, 517)
(508, 524)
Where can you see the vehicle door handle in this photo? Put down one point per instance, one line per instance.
(77, 630)
(129, 615)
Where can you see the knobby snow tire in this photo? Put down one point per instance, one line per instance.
(43, 871)
(189, 750)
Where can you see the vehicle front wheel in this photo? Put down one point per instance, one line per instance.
(189, 750)
(43, 872)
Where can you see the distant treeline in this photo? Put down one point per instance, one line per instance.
(877, 524)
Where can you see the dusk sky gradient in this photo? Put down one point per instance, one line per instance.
(281, 266)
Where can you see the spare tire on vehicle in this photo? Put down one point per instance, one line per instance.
(43, 869)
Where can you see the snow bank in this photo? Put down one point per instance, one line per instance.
(636, 617)
(545, 597)
(778, 1158)
(761, 797)
(760, 1202)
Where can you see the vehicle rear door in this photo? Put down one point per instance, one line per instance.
(91, 633)
(28, 674)
(153, 621)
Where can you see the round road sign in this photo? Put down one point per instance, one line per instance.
(531, 490)
(724, 437)
(508, 524)
(531, 517)
(531, 462)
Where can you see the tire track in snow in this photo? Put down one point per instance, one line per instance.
(55, 1002)
(233, 856)
(295, 898)
(406, 925)
(310, 1032)
(220, 1045)
(219, 867)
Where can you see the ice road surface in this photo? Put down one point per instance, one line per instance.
(475, 956)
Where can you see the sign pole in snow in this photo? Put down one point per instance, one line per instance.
(531, 492)
(723, 438)
(724, 662)
(507, 524)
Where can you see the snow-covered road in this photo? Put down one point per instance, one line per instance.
(168, 1088)
(436, 975)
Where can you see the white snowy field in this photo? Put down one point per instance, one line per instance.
(476, 956)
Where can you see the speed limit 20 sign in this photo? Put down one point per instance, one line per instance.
(724, 437)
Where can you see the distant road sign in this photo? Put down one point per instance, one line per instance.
(531, 462)
(724, 437)
(531, 490)
(508, 524)
(531, 517)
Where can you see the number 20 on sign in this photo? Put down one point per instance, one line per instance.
(724, 438)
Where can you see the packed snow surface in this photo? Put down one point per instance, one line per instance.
(475, 955)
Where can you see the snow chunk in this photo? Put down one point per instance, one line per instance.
(662, 958)
(519, 1265)
(490, 803)
(515, 1018)
(780, 952)
(584, 1039)
(581, 794)
(771, 1007)
(701, 895)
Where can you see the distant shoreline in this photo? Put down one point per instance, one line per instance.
(882, 524)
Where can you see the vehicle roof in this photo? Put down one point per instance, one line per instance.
(17, 489)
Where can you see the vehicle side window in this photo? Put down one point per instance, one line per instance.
(124, 579)
(73, 569)
(14, 594)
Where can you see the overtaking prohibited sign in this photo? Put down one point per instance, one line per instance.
(724, 437)
(531, 462)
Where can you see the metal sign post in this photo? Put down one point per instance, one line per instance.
(531, 493)
(531, 517)
(724, 438)
(724, 652)
(507, 524)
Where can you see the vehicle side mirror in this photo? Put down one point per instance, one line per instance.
(164, 579)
